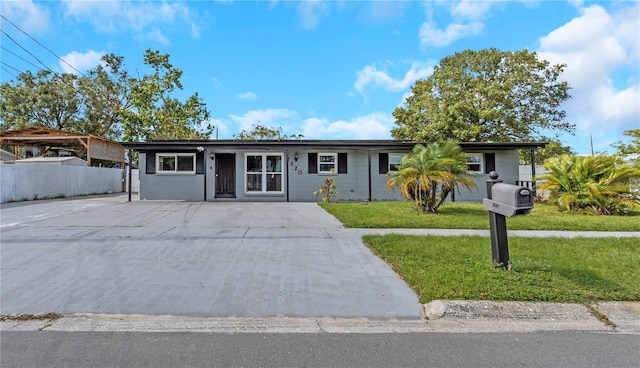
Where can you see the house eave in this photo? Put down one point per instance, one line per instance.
(367, 145)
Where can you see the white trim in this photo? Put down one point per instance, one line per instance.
(264, 171)
(334, 163)
(389, 163)
(175, 171)
(479, 163)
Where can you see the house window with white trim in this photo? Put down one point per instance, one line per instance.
(474, 162)
(176, 163)
(263, 173)
(394, 161)
(327, 163)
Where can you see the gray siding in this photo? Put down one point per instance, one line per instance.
(507, 168)
(299, 184)
(171, 187)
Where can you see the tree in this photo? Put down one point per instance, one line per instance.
(44, 99)
(600, 184)
(154, 114)
(485, 96)
(429, 173)
(105, 93)
(263, 132)
(632, 148)
(555, 148)
(107, 102)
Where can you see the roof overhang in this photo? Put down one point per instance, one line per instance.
(366, 145)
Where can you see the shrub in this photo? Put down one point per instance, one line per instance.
(600, 184)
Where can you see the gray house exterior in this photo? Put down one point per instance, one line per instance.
(291, 170)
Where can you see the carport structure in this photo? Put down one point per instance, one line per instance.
(95, 147)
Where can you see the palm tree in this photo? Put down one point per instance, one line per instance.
(429, 173)
(602, 184)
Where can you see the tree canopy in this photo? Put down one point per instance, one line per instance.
(631, 148)
(487, 95)
(106, 101)
(263, 132)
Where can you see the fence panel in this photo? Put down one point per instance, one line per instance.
(26, 181)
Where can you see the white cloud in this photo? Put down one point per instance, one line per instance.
(247, 96)
(158, 36)
(309, 12)
(594, 46)
(372, 126)
(471, 9)
(270, 117)
(372, 77)
(28, 16)
(81, 61)
(430, 35)
(118, 15)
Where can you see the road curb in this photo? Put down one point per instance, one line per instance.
(619, 316)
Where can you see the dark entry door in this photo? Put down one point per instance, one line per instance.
(225, 175)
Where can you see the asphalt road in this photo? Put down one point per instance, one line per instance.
(140, 349)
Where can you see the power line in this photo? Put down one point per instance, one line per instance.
(43, 46)
(20, 57)
(7, 70)
(27, 51)
(9, 66)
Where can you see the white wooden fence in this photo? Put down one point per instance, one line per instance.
(24, 182)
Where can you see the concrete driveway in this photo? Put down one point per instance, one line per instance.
(106, 255)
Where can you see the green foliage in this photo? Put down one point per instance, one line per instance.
(44, 99)
(398, 215)
(632, 148)
(262, 132)
(429, 173)
(487, 95)
(580, 270)
(555, 148)
(328, 190)
(599, 184)
(107, 101)
(154, 114)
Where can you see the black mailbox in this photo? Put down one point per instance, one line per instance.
(509, 200)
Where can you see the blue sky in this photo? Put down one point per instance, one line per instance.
(338, 69)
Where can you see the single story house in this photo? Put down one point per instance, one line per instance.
(291, 170)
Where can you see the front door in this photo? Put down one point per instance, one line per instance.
(225, 175)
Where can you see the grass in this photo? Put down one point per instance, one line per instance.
(471, 216)
(579, 270)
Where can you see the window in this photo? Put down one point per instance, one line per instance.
(327, 163)
(394, 161)
(263, 173)
(474, 162)
(180, 163)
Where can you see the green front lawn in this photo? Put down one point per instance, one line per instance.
(576, 270)
(471, 216)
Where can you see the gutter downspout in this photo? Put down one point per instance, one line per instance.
(533, 172)
(130, 176)
(287, 174)
(369, 164)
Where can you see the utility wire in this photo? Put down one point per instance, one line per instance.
(36, 41)
(9, 66)
(7, 71)
(27, 51)
(20, 57)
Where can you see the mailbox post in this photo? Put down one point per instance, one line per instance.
(504, 200)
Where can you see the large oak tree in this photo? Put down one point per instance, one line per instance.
(487, 95)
